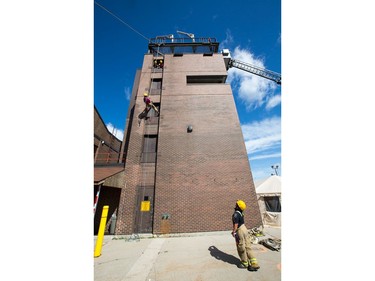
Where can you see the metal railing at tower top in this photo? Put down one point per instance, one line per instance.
(106, 158)
(199, 40)
(198, 45)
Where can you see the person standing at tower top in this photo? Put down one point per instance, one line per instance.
(242, 236)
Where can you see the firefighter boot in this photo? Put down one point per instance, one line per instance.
(253, 266)
(243, 265)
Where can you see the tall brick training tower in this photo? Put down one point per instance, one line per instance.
(186, 167)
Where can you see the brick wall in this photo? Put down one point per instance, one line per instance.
(110, 150)
(199, 175)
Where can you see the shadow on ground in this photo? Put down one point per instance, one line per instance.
(217, 254)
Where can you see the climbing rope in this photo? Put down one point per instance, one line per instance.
(146, 142)
(128, 25)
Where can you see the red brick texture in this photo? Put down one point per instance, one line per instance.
(109, 152)
(199, 175)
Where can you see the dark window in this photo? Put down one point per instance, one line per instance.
(149, 149)
(155, 87)
(272, 204)
(156, 83)
(152, 112)
(152, 116)
(203, 79)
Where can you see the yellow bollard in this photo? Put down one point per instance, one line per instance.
(99, 241)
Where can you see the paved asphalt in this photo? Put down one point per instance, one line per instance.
(187, 257)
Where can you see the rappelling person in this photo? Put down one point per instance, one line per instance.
(242, 237)
(149, 104)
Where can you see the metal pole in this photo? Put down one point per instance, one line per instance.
(275, 167)
(97, 150)
(99, 241)
(97, 198)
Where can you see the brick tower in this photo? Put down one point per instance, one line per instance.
(186, 166)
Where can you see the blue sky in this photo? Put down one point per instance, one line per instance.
(251, 30)
(46, 111)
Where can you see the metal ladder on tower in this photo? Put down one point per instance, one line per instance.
(268, 74)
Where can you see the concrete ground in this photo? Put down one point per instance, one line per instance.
(193, 257)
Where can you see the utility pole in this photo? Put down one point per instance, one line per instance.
(275, 167)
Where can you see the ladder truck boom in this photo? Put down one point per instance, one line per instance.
(229, 62)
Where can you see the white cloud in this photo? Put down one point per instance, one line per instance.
(253, 90)
(265, 156)
(262, 135)
(127, 93)
(273, 101)
(118, 133)
(228, 41)
(261, 144)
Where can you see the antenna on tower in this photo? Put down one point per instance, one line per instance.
(169, 36)
(191, 35)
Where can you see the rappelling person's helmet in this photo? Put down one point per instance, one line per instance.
(145, 94)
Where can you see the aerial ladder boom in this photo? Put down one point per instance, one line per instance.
(229, 62)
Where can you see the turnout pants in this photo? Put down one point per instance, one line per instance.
(244, 245)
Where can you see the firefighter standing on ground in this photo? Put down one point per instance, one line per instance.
(242, 236)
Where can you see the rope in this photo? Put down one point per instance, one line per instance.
(128, 25)
(151, 80)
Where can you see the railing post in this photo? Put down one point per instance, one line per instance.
(99, 241)
(97, 150)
